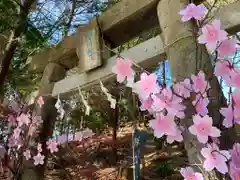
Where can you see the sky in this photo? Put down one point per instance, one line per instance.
(50, 11)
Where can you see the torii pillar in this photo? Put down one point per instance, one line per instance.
(186, 57)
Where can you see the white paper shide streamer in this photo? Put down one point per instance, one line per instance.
(109, 96)
(85, 103)
(59, 108)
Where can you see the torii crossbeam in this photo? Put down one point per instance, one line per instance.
(118, 25)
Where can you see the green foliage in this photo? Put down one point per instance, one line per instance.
(96, 121)
(44, 27)
(8, 15)
(77, 120)
(34, 39)
(164, 168)
(19, 79)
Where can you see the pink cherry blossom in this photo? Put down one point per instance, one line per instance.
(64, 138)
(234, 172)
(27, 154)
(215, 158)
(39, 147)
(162, 100)
(11, 120)
(234, 165)
(178, 137)
(203, 128)
(16, 132)
(193, 11)
(227, 71)
(13, 142)
(147, 85)
(123, 69)
(36, 122)
(236, 155)
(216, 140)
(183, 88)
(228, 114)
(146, 104)
(78, 136)
(212, 35)
(236, 97)
(189, 174)
(23, 119)
(199, 83)
(87, 133)
(163, 125)
(227, 48)
(236, 114)
(38, 159)
(52, 145)
(201, 105)
(234, 80)
(167, 100)
(222, 68)
(32, 129)
(40, 101)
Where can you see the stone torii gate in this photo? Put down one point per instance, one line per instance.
(83, 58)
(70, 64)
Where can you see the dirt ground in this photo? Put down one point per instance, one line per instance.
(95, 160)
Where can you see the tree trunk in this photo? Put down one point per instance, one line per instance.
(187, 57)
(52, 73)
(114, 135)
(48, 113)
(13, 42)
(70, 18)
(114, 121)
